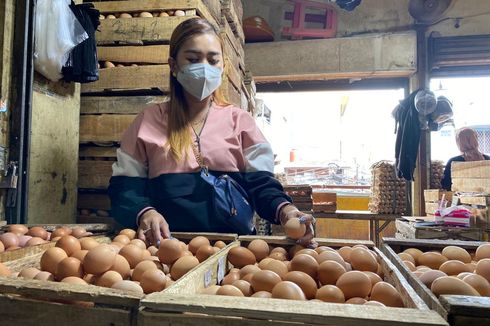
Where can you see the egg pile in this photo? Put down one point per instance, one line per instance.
(144, 14)
(452, 270)
(19, 236)
(126, 263)
(347, 275)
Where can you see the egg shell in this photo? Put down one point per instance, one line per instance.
(294, 229)
(433, 260)
(198, 242)
(220, 244)
(128, 286)
(169, 251)
(321, 249)
(356, 300)
(429, 276)
(133, 254)
(179, 13)
(37, 231)
(34, 241)
(264, 281)
(345, 252)
(78, 232)
(259, 248)
(415, 253)
(452, 285)
(69, 267)
(329, 272)
(73, 280)
(69, 244)
(121, 266)
(374, 303)
(99, 259)
(18, 229)
(456, 253)
(264, 262)
(138, 243)
(204, 252)
(153, 280)
(248, 269)
(330, 293)
(406, 257)
(240, 257)
(354, 284)
(288, 290)
(310, 252)
(463, 275)
(230, 290)
(483, 268)
(248, 277)
(131, 234)
(278, 256)
(182, 266)
(29, 273)
(108, 279)
(410, 265)
(125, 15)
(169, 282)
(88, 243)
(304, 281)
(454, 267)
(230, 278)
(244, 286)
(9, 239)
(363, 260)
(51, 258)
(375, 278)
(262, 294)
(23, 240)
(163, 14)
(110, 16)
(142, 267)
(387, 294)
(471, 266)
(330, 256)
(211, 290)
(305, 263)
(121, 238)
(2, 247)
(60, 231)
(278, 267)
(44, 276)
(479, 283)
(145, 14)
(483, 251)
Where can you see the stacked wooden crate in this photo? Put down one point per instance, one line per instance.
(302, 196)
(325, 202)
(133, 54)
(471, 177)
(436, 174)
(433, 197)
(387, 191)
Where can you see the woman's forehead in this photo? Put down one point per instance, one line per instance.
(203, 43)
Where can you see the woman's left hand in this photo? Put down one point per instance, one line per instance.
(290, 211)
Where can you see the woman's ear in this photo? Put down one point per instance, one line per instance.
(173, 66)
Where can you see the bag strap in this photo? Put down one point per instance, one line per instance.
(199, 158)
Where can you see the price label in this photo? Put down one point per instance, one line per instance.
(207, 278)
(221, 269)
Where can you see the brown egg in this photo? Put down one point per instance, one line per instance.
(310, 252)
(281, 250)
(294, 228)
(387, 294)
(37, 231)
(415, 253)
(248, 269)
(211, 290)
(88, 243)
(60, 231)
(29, 273)
(264, 262)
(163, 14)
(362, 260)
(330, 256)
(44, 276)
(153, 250)
(406, 257)
(78, 232)
(304, 281)
(145, 14)
(452, 285)
(483, 251)
(423, 268)
(375, 278)
(259, 248)
(288, 290)
(9, 239)
(265, 280)
(204, 252)
(13, 248)
(122, 239)
(4, 270)
(330, 293)
(220, 244)
(110, 16)
(23, 240)
(73, 280)
(429, 276)
(125, 15)
(2, 247)
(456, 253)
(141, 268)
(277, 256)
(278, 267)
(374, 303)
(463, 275)
(262, 294)
(305, 263)
(479, 283)
(240, 257)
(69, 244)
(230, 290)
(287, 264)
(128, 286)
(411, 267)
(329, 272)
(138, 243)
(99, 259)
(197, 243)
(244, 286)
(153, 280)
(230, 278)
(454, 267)
(51, 258)
(483, 268)
(356, 300)
(354, 284)
(169, 251)
(132, 253)
(129, 233)
(182, 266)
(169, 283)
(69, 267)
(345, 252)
(321, 249)
(248, 277)
(433, 260)
(121, 266)
(471, 266)
(184, 246)
(108, 279)
(34, 241)
(18, 229)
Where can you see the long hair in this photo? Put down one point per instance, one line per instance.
(467, 142)
(179, 136)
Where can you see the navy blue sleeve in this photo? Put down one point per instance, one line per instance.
(446, 181)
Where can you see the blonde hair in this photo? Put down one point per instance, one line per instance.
(179, 136)
(467, 142)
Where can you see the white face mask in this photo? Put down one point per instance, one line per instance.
(199, 79)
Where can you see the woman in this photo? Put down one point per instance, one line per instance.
(156, 183)
(467, 142)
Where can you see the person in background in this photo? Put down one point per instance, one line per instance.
(467, 142)
(156, 185)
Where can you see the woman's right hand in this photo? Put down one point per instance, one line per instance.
(152, 228)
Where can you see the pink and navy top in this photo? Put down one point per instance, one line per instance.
(146, 175)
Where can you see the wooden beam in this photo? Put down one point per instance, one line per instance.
(94, 174)
(93, 201)
(130, 78)
(471, 185)
(134, 54)
(105, 127)
(476, 170)
(117, 104)
(97, 151)
(388, 55)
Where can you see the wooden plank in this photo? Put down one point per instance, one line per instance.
(232, 44)
(23, 252)
(429, 244)
(97, 151)
(233, 75)
(383, 55)
(94, 174)
(435, 195)
(471, 185)
(23, 311)
(117, 104)
(475, 200)
(467, 306)
(214, 7)
(93, 201)
(230, 11)
(131, 78)
(134, 54)
(105, 127)
(476, 170)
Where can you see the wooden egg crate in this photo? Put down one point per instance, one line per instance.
(182, 304)
(233, 12)
(457, 310)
